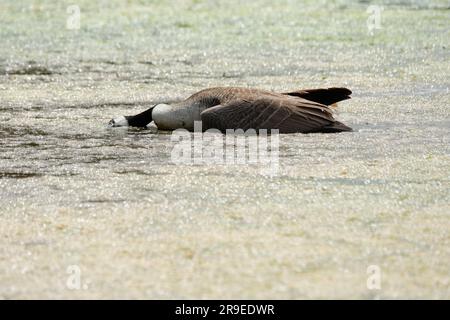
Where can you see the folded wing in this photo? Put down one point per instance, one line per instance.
(288, 115)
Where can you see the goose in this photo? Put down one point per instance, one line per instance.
(222, 108)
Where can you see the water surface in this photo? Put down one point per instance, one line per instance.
(111, 202)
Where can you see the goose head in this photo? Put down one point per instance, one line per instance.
(120, 121)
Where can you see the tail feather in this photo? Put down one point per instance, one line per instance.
(334, 127)
(324, 96)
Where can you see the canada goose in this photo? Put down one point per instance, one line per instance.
(223, 108)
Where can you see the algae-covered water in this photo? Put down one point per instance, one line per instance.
(92, 212)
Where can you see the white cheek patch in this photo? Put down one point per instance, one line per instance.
(119, 122)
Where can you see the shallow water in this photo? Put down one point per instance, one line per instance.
(135, 225)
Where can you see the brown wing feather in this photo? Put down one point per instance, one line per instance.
(285, 114)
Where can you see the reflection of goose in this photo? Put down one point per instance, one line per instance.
(303, 111)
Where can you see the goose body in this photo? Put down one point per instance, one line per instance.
(234, 108)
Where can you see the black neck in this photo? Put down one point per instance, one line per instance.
(142, 119)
